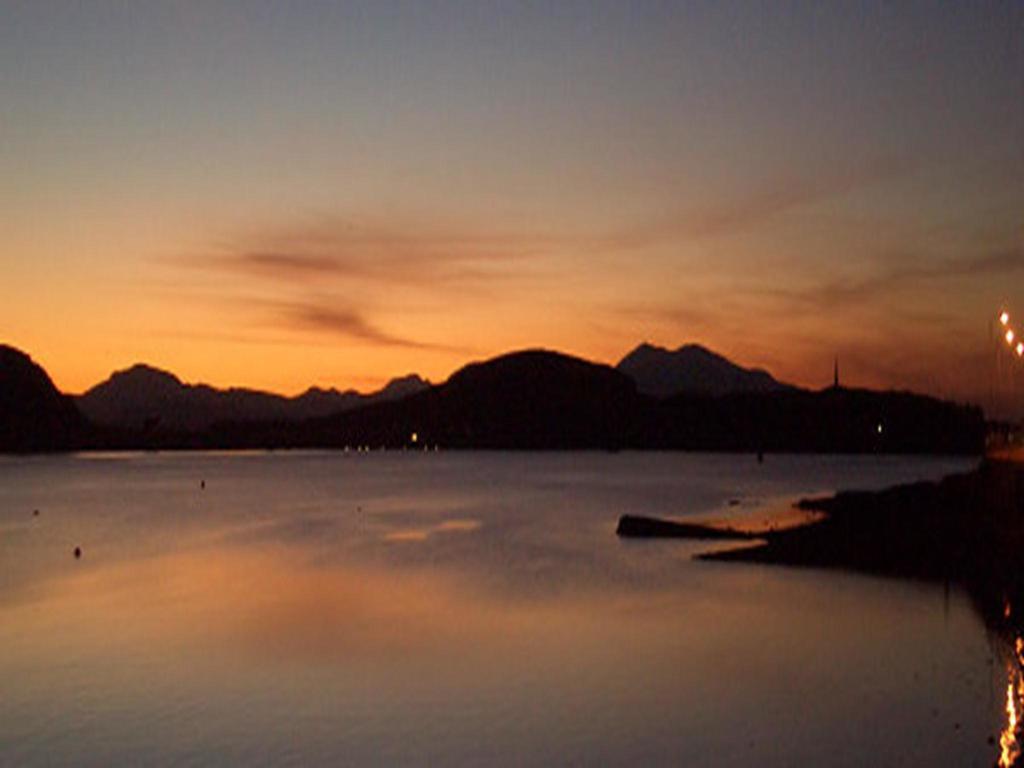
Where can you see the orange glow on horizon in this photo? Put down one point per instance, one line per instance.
(413, 227)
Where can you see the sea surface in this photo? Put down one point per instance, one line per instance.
(444, 608)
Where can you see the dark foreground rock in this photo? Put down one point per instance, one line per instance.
(966, 529)
(640, 527)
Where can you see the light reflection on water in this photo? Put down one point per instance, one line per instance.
(304, 609)
(1009, 739)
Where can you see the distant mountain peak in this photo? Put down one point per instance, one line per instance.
(147, 374)
(321, 391)
(146, 395)
(692, 368)
(400, 386)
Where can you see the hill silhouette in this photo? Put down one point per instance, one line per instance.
(546, 400)
(692, 369)
(534, 399)
(833, 420)
(147, 398)
(34, 416)
(527, 400)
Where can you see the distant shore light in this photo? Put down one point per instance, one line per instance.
(1004, 318)
(1009, 337)
(1020, 348)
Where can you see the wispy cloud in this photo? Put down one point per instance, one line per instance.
(402, 252)
(908, 272)
(350, 324)
(746, 211)
(385, 272)
(411, 249)
(762, 302)
(276, 264)
(411, 271)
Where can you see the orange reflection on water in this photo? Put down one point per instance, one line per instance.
(1010, 749)
(275, 603)
(424, 532)
(1009, 739)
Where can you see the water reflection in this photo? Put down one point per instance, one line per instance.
(422, 533)
(272, 619)
(1010, 738)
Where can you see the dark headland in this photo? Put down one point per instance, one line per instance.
(965, 529)
(641, 527)
(34, 416)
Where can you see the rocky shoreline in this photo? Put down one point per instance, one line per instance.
(965, 530)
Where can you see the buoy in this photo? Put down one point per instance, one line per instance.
(78, 552)
(202, 483)
(35, 513)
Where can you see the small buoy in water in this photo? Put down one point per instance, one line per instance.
(78, 552)
(202, 483)
(35, 513)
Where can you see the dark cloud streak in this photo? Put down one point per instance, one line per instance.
(349, 323)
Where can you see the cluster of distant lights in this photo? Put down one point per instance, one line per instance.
(1010, 335)
(414, 443)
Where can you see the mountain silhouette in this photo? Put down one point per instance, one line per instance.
(34, 416)
(147, 398)
(546, 400)
(528, 400)
(692, 369)
(532, 399)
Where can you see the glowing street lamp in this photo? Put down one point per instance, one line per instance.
(1004, 318)
(1020, 348)
(1009, 337)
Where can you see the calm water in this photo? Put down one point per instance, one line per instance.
(466, 609)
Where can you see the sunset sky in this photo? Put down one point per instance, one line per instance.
(285, 194)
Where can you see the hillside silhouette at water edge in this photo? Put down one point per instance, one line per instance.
(526, 400)
(34, 416)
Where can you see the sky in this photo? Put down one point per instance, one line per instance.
(280, 195)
